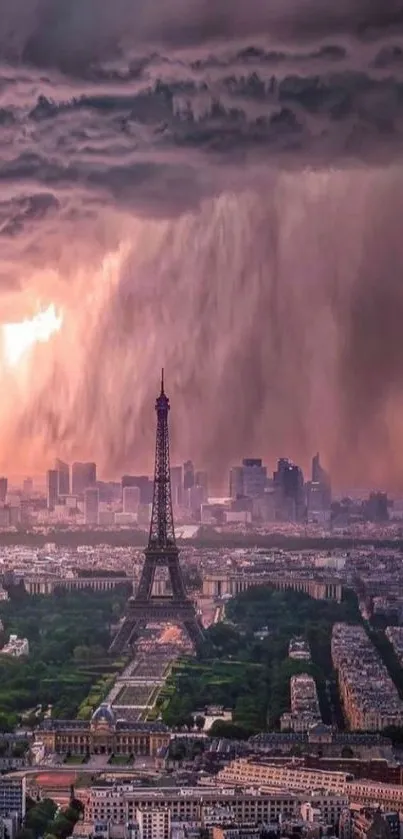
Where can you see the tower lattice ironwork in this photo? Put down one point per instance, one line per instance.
(161, 551)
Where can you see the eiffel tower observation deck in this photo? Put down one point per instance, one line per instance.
(161, 551)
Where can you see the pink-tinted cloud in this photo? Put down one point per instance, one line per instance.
(215, 187)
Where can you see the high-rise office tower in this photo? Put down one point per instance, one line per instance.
(91, 505)
(236, 482)
(316, 469)
(201, 480)
(63, 477)
(289, 488)
(143, 483)
(254, 477)
(320, 489)
(177, 485)
(52, 488)
(188, 475)
(248, 480)
(83, 476)
(376, 508)
(131, 500)
(319, 474)
(194, 498)
(3, 489)
(109, 491)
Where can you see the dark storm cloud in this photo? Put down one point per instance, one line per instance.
(136, 93)
(204, 184)
(15, 215)
(51, 32)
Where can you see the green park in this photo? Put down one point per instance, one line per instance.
(246, 667)
(68, 667)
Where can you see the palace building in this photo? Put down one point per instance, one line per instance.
(104, 734)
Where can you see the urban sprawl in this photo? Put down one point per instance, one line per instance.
(193, 681)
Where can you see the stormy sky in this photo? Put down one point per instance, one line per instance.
(214, 186)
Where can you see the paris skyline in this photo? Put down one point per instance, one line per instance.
(217, 191)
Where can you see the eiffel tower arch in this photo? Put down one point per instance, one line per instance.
(161, 551)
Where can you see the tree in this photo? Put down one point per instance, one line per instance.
(62, 827)
(40, 816)
(97, 651)
(199, 722)
(230, 730)
(82, 653)
(25, 833)
(177, 750)
(7, 723)
(19, 749)
(71, 813)
(395, 733)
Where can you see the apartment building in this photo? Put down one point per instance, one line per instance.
(153, 824)
(370, 793)
(305, 711)
(370, 698)
(120, 803)
(12, 797)
(369, 822)
(244, 771)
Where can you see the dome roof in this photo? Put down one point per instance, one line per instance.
(103, 714)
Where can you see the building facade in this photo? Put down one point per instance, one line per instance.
(48, 583)
(83, 476)
(243, 771)
(103, 734)
(223, 583)
(119, 803)
(12, 797)
(91, 505)
(52, 488)
(63, 477)
(153, 824)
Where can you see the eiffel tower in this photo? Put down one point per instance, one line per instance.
(161, 551)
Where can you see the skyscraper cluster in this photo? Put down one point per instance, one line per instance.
(75, 493)
(189, 487)
(83, 481)
(284, 497)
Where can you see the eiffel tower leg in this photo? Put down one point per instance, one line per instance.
(147, 579)
(194, 631)
(126, 635)
(138, 626)
(175, 575)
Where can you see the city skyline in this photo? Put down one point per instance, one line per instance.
(219, 488)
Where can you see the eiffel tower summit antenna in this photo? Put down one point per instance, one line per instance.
(161, 551)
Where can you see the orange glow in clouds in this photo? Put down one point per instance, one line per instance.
(18, 338)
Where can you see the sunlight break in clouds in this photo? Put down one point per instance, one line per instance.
(20, 337)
